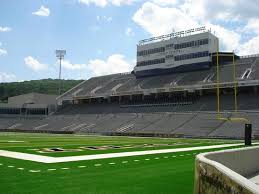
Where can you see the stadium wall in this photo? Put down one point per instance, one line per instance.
(227, 171)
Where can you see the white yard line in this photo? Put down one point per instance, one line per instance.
(81, 166)
(49, 159)
(34, 170)
(51, 169)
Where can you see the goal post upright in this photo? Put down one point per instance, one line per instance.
(235, 83)
(218, 81)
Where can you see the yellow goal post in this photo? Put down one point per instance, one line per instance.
(235, 85)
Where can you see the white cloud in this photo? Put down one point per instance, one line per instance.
(69, 66)
(103, 3)
(253, 25)
(104, 18)
(5, 29)
(250, 47)
(165, 2)
(129, 32)
(34, 64)
(7, 77)
(221, 9)
(114, 64)
(99, 3)
(207, 10)
(162, 20)
(229, 40)
(158, 20)
(3, 52)
(120, 2)
(43, 11)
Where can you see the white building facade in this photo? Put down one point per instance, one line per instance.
(177, 52)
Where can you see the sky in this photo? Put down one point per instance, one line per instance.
(100, 36)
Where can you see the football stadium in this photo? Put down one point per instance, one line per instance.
(184, 120)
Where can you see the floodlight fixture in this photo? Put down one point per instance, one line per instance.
(60, 54)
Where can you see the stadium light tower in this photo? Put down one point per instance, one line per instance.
(60, 54)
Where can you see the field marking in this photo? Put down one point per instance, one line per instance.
(14, 141)
(81, 166)
(111, 163)
(49, 159)
(10, 166)
(51, 169)
(34, 170)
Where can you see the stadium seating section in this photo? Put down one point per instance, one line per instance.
(107, 85)
(175, 115)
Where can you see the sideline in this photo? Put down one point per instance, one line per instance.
(49, 159)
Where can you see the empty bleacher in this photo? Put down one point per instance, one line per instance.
(185, 113)
(128, 83)
(199, 124)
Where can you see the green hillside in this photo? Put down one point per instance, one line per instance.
(44, 86)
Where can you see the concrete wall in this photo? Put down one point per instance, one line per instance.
(225, 171)
(245, 162)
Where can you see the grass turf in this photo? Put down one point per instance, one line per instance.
(160, 173)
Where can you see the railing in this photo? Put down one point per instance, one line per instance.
(116, 74)
(249, 56)
(173, 35)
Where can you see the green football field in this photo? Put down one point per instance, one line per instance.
(158, 173)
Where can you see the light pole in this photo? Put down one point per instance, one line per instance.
(60, 54)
